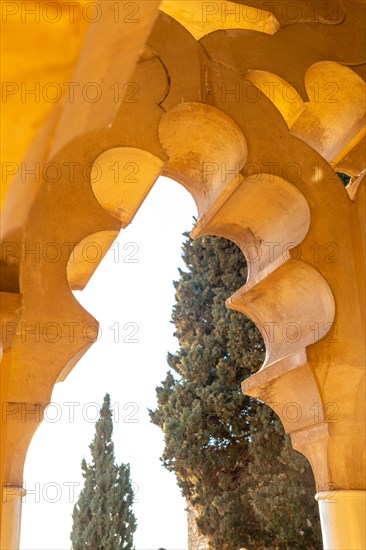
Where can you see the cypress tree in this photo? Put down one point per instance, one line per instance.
(103, 518)
(229, 452)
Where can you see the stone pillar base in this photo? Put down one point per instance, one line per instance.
(11, 516)
(343, 519)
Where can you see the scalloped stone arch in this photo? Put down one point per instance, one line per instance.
(192, 97)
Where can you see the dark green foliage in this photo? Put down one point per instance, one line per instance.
(283, 488)
(345, 178)
(103, 517)
(229, 452)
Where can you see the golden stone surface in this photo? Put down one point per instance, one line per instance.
(252, 111)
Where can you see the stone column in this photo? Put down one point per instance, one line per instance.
(343, 519)
(12, 496)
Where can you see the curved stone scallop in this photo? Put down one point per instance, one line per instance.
(205, 148)
(258, 214)
(121, 178)
(293, 307)
(86, 256)
(333, 121)
(200, 17)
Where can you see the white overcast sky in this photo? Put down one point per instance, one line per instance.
(136, 299)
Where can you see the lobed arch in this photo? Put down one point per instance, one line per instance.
(280, 184)
(57, 205)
